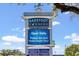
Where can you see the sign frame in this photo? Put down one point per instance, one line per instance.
(38, 36)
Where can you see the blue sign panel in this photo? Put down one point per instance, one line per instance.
(38, 22)
(38, 36)
(38, 52)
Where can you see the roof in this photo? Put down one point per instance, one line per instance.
(37, 14)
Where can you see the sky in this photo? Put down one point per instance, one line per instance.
(64, 27)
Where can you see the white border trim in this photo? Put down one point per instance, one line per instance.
(38, 47)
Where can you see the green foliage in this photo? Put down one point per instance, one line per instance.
(53, 43)
(72, 50)
(7, 52)
(77, 54)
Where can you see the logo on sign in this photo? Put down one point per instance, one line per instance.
(36, 22)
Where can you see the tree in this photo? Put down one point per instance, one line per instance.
(6, 52)
(72, 50)
(77, 54)
(68, 7)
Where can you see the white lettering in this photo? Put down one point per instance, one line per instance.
(38, 38)
(38, 33)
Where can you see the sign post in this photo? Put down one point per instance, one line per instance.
(38, 33)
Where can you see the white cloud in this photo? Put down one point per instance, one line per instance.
(57, 46)
(74, 38)
(7, 43)
(10, 38)
(66, 37)
(55, 23)
(66, 12)
(21, 49)
(75, 42)
(58, 49)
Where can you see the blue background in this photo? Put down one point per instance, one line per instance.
(38, 30)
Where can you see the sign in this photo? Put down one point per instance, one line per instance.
(38, 52)
(38, 36)
(38, 22)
